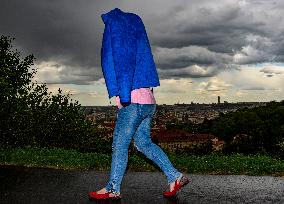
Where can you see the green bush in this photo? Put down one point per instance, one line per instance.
(30, 115)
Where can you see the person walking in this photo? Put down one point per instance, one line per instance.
(130, 75)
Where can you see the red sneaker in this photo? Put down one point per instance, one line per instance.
(178, 185)
(95, 196)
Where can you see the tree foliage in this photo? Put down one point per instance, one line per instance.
(30, 115)
(263, 125)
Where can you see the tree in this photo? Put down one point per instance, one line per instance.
(30, 115)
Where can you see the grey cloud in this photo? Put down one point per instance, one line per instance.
(225, 29)
(253, 88)
(186, 56)
(172, 91)
(188, 72)
(272, 70)
(204, 34)
(257, 88)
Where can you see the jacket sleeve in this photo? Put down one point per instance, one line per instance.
(144, 58)
(107, 62)
(143, 44)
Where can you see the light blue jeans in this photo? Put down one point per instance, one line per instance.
(134, 121)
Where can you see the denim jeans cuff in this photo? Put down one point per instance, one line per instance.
(112, 191)
(177, 177)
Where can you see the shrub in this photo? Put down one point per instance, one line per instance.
(30, 115)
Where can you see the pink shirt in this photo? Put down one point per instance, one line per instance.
(141, 95)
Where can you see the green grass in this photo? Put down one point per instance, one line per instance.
(207, 164)
(230, 164)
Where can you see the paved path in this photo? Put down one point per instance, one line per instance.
(40, 186)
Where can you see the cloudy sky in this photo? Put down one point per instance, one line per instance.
(202, 49)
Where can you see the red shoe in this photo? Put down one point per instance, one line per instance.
(103, 196)
(178, 185)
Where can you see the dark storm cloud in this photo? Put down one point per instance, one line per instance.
(69, 32)
(220, 30)
(238, 33)
(189, 38)
(181, 57)
(53, 29)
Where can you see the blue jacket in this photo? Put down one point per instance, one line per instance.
(126, 58)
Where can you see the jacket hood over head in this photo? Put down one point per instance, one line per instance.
(106, 17)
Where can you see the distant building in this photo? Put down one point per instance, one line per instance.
(172, 139)
(218, 99)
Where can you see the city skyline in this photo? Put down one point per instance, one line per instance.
(202, 49)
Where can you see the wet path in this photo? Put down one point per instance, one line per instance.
(40, 186)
